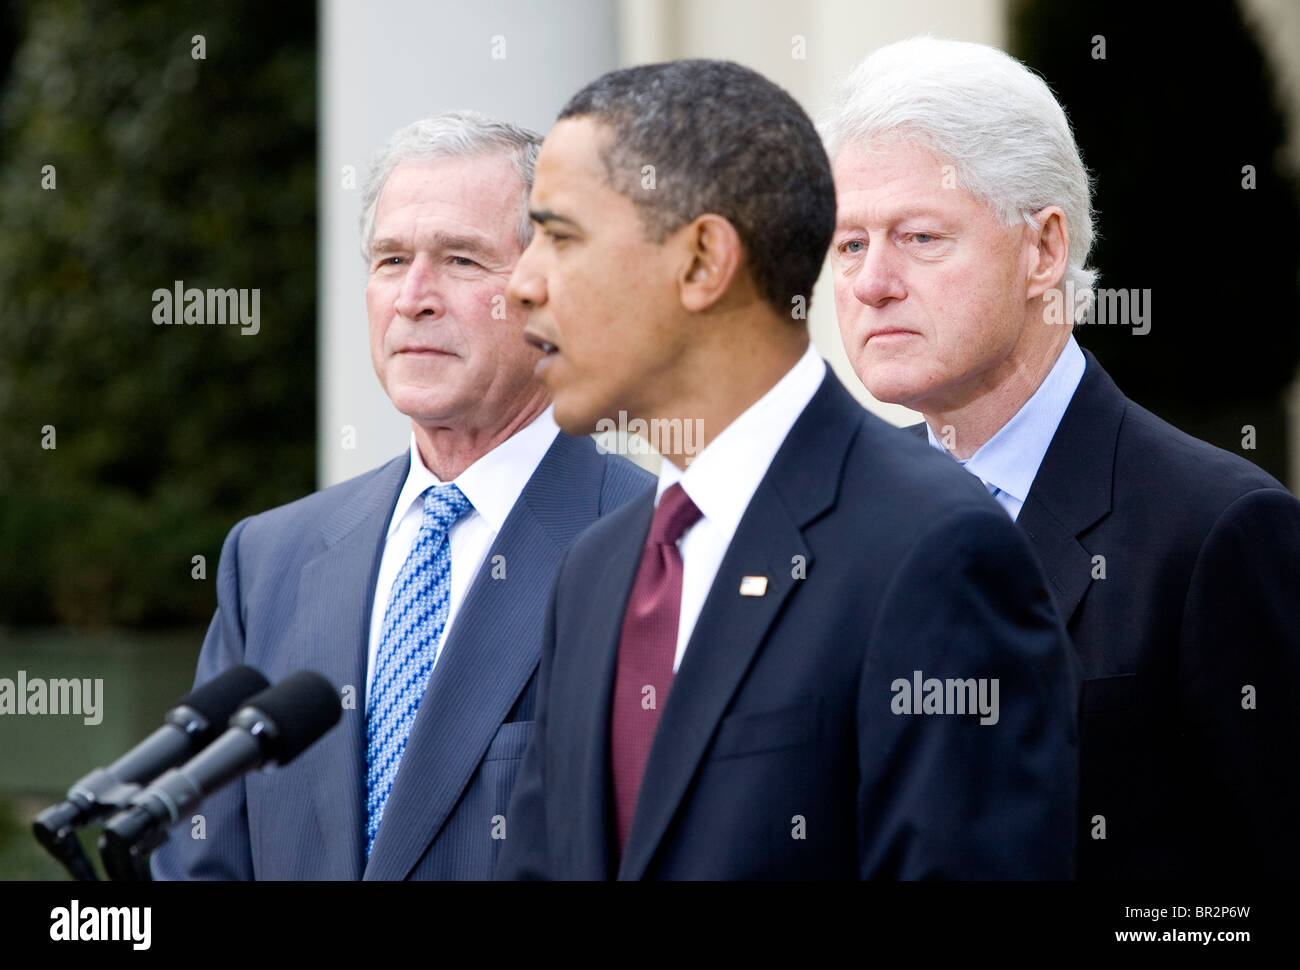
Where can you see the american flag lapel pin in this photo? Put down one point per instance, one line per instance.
(753, 586)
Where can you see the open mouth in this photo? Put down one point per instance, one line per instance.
(545, 346)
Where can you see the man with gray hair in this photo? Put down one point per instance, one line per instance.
(960, 270)
(419, 588)
(733, 665)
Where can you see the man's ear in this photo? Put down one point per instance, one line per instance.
(711, 256)
(1050, 253)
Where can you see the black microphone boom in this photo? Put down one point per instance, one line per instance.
(188, 727)
(274, 727)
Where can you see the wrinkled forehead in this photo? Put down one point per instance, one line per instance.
(472, 196)
(899, 177)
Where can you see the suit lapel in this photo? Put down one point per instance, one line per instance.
(488, 657)
(592, 813)
(335, 597)
(801, 484)
(1067, 565)
(1072, 490)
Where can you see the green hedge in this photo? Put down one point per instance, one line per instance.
(166, 168)
(1182, 100)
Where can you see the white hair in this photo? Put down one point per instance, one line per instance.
(993, 118)
(454, 134)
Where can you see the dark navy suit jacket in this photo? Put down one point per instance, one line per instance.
(1190, 644)
(294, 591)
(778, 754)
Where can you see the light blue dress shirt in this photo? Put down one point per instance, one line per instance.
(1008, 462)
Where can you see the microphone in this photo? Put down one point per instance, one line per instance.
(273, 727)
(188, 727)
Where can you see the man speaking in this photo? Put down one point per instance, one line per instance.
(964, 211)
(818, 649)
(419, 588)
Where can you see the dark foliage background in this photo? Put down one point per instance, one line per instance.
(1182, 101)
(168, 168)
(204, 171)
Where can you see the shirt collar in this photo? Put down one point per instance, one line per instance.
(494, 482)
(722, 478)
(1010, 459)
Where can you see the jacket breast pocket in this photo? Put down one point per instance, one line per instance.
(1102, 695)
(510, 742)
(786, 727)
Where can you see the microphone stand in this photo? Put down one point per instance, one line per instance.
(55, 831)
(96, 796)
(125, 846)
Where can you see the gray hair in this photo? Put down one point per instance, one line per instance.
(454, 134)
(993, 118)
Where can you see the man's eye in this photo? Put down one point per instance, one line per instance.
(922, 237)
(848, 246)
(463, 261)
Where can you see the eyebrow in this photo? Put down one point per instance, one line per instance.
(439, 241)
(543, 216)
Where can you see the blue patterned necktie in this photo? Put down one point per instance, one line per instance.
(417, 613)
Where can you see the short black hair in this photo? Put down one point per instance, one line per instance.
(722, 139)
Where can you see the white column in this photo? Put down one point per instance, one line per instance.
(383, 66)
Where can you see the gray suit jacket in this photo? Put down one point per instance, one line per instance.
(294, 591)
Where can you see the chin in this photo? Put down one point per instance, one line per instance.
(889, 385)
(425, 407)
(570, 416)
(575, 425)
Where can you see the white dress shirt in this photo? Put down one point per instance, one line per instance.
(492, 484)
(1009, 460)
(722, 478)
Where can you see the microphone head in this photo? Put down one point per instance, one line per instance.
(220, 697)
(301, 707)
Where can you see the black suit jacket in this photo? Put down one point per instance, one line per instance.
(778, 752)
(1197, 616)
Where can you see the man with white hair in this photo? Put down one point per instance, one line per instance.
(418, 589)
(964, 214)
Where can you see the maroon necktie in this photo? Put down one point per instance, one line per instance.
(646, 650)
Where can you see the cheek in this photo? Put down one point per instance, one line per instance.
(975, 314)
(494, 330)
(478, 312)
(586, 311)
(378, 327)
(847, 306)
(379, 306)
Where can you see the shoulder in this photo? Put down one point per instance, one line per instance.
(1189, 495)
(927, 513)
(1155, 464)
(1153, 450)
(308, 515)
(902, 472)
(867, 469)
(621, 480)
(625, 520)
(576, 472)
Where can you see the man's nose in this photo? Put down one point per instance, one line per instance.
(527, 286)
(420, 294)
(879, 277)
